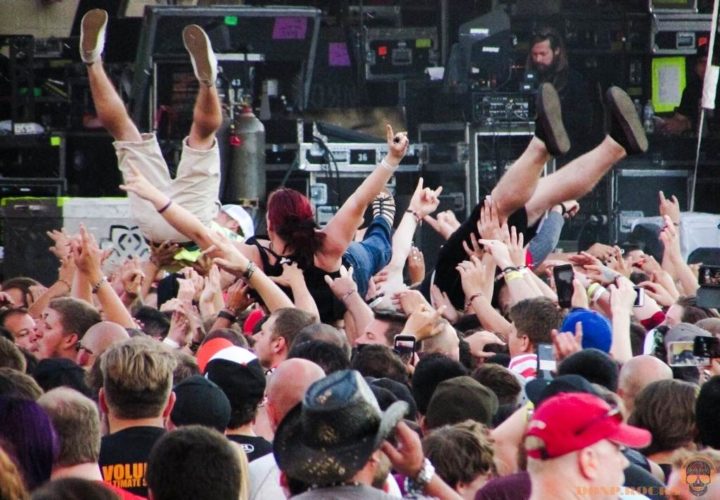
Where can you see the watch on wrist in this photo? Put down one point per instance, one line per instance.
(421, 480)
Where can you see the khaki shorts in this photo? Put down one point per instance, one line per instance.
(195, 187)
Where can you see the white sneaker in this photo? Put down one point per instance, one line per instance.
(203, 59)
(92, 35)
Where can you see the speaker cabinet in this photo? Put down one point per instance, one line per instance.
(635, 194)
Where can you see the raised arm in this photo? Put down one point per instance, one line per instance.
(233, 261)
(423, 202)
(340, 230)
(88, 258)
(474, 280)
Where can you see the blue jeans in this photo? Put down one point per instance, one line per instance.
(371, 254)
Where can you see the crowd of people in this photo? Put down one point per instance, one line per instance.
(329, 363)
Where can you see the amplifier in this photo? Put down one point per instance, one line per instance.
(399, 53)
(489, 109)
(677, 33)
(355, 157)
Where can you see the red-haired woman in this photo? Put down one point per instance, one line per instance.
(294, 237)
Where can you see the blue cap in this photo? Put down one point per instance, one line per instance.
(597, 331)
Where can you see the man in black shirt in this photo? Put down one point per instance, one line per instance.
(136, 398)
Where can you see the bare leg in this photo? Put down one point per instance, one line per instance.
(518, 184)
(575, 179)
(207, 118)
(109, 106)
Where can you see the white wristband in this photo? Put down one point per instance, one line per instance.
(171, 343)
(598, 293)
(386, 165)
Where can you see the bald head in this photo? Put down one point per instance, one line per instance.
(637, 373)
(287, 386)
(97, 340)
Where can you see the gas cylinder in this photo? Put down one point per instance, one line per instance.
(246, 175)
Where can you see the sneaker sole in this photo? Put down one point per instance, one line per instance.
(93, 23)
(196, 43)
(625, 113)
(550, 115)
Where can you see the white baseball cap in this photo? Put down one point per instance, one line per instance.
(240, 215)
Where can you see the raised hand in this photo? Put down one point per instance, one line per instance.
(423, 321)
(162, 254)
(238, 297)
(136, 182)
(474, 248)
(445, 224)
(131, 277)
(186, 290)
(211, 286)
(568, 209)
(472, 276)
(424, 201)
(478, 340)
(439, 299)
(88, 256)
(499, 251)
(291, 274)
(669, 237)
(516, 248)
(226, 255)
(344, 285)
(61, 243)
(489, 224)
(658, 293)
(567, 343)
(669, 207)
(197, 280)
(622, 296)
(397, 144)
(410, 301)
(416, 265)
(601, 273)
(618, 263)
(584, 259)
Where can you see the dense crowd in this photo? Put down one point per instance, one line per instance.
(330, 363)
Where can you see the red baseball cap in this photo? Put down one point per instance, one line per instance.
(573, 421)
(252, 319)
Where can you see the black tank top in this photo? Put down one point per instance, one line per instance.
(330, 308)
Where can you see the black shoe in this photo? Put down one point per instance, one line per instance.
(549, 126)
(625, 126)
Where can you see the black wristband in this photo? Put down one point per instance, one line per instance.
(226, 315)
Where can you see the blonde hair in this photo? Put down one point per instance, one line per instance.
(11, 483)
(137, 378)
